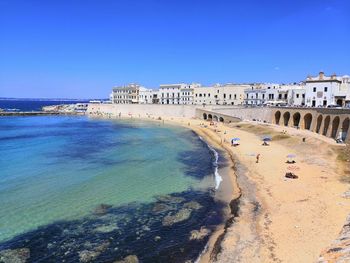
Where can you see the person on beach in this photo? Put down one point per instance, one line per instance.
(257, 158)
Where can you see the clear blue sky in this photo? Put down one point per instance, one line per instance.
(82, 48)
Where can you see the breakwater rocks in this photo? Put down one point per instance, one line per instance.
(339, 251)
(173, 228)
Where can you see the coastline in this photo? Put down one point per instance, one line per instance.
(276, 212)
(229, 191)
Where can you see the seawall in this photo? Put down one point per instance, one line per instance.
(153, 110)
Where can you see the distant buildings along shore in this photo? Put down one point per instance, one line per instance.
(319, 91)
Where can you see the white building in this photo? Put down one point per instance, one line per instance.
(273, 94)
(148, 96)
(187, 94)
(128, 94)
(255, 95)
(296, 94)
(323, 91)
(228, 94)
(170, 93)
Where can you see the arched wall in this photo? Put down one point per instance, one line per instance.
(296, 119)
(277, 117)
(319, 123)
(307, 121)
(286, 118)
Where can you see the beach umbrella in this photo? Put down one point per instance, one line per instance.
(235, 139)
(291, 156)
(293, 168)
(266, 138)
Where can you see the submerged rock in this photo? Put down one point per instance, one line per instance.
(193, 205)
(106, 228)
(19, 255)
(199, 234)
(180, 216)
(102, 209)
(129, 259)
(160, 208)
(157, 238)
(90, 255)
(170, 199)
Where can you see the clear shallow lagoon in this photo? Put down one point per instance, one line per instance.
(55, 171)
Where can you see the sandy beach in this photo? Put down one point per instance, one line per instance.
(279, 219)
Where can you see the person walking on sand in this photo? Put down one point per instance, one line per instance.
(257, 158)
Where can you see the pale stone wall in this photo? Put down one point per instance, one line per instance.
(188, 111)
(258, 113)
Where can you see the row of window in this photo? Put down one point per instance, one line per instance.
(215, 96)
(325, 89)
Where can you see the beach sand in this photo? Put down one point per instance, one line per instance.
(279, 219)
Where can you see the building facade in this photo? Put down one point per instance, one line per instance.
(148, 96)
(324, 91)
(128, 94)
(228, 94)
(170, 93)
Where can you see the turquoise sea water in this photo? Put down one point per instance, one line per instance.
(59, 169)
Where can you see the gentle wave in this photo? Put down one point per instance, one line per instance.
(218, 178)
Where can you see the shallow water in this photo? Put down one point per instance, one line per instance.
(55, 171)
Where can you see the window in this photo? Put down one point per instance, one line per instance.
(224, 96)
(218, 91)
(325, 89)
(297, 96)
(303, 96)
(314, 89)
(235, 96)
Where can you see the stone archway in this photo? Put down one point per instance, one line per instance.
(205, 116)
(326, 125)
(215, 118)
(335, 126)
(210, 117)
(277, 117)
(345, 128)
(296, 119)
(221, 119)
(307, 121)
(286, 117)
(319, 123)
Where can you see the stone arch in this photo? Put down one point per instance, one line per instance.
(335, 126)
(345, 128)
(205, 116)
(277, 117)
(307, 121)
(286, 117)
(326, 125)
(221, 119)
(296, 119)
(210, 117)
(319, 123)
(215, 118)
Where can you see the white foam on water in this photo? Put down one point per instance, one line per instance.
(218, 178)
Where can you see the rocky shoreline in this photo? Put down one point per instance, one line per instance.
(339, 250)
